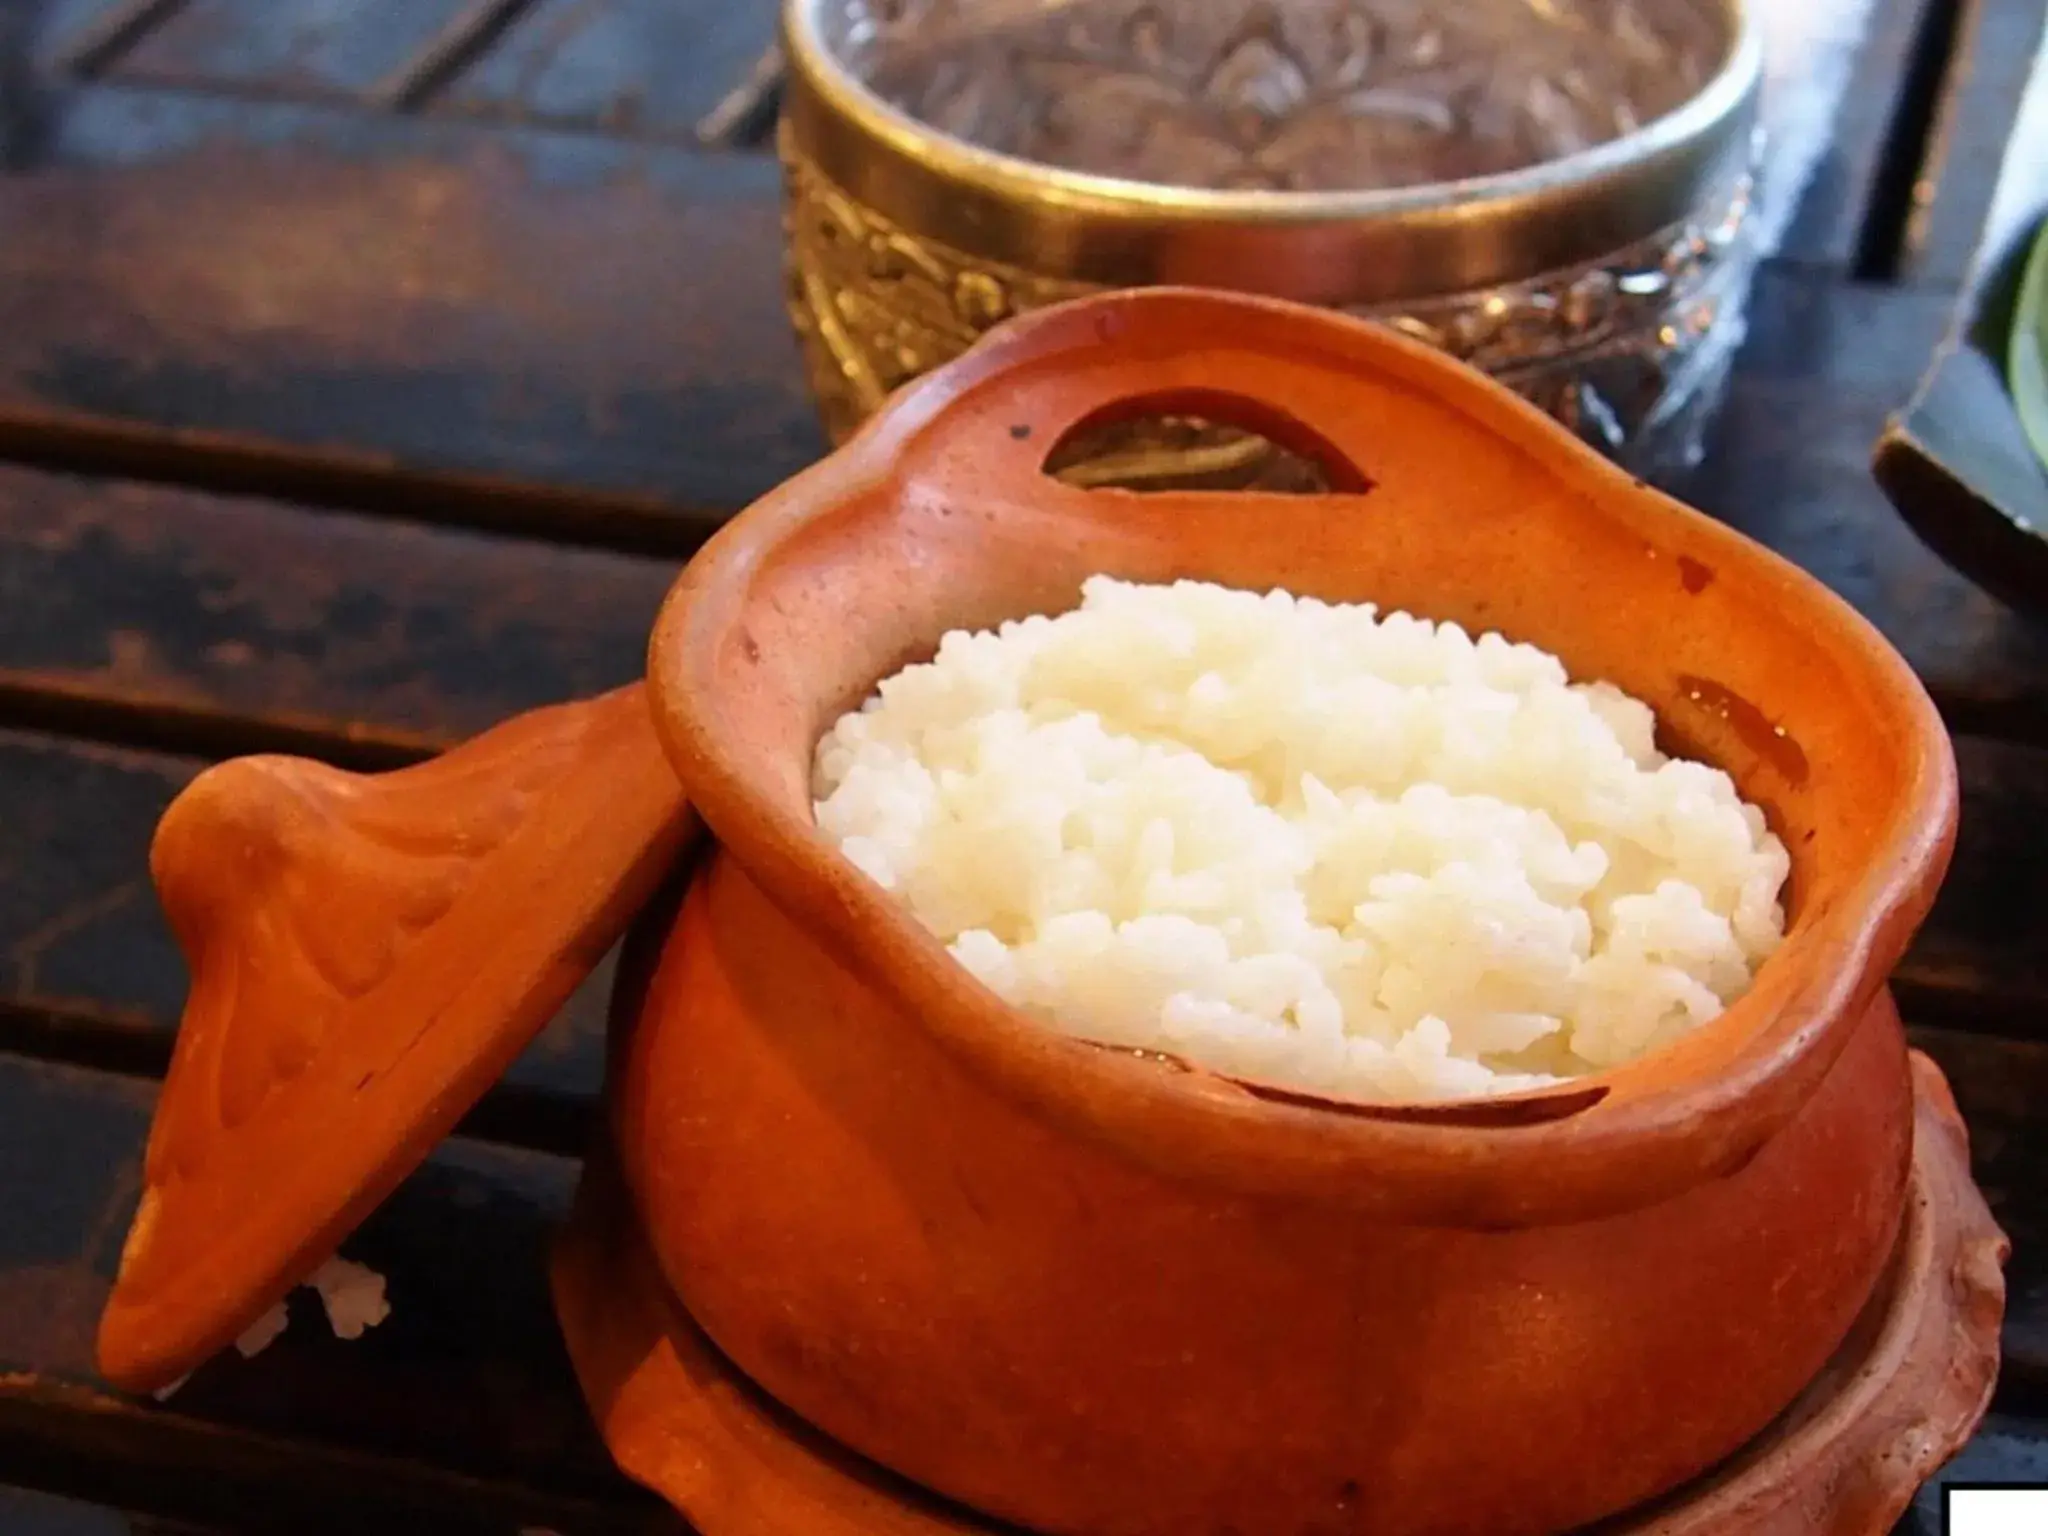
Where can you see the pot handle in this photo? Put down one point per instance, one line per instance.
(1370, 407)
(368, 955)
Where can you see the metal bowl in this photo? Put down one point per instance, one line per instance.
(1557, 191)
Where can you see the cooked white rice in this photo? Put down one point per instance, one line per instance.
(1368, 857)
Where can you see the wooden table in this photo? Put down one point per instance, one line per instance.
(365, 371)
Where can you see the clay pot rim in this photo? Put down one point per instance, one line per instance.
(1599, 1145)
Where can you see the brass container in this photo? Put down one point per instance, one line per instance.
(1556, 191)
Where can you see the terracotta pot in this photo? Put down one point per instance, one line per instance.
(1905, 1391)
(1096, 1293)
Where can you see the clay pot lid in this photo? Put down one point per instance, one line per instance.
(368, 956)
(1903, 1394)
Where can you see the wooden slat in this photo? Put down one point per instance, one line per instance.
(251, 623)
(1789, 464)
(74, 894)
(20, 103)
(88, 968)
(462, 38)
(419, 314)
(339, 48)
(459, 1414)
(653, 67)
(86, 35)
(26, 1513)
(1998, 45)
(40, 1514)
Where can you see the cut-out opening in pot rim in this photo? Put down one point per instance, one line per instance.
(1158, 452)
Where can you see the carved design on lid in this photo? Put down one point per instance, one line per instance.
(368, 954)
(335, 877)
(1618, 349)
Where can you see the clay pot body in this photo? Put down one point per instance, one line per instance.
(1029, 1323)
(1103, 1295)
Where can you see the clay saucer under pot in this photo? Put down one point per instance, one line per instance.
(867, 1217)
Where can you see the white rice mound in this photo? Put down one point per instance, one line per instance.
(1299, 843)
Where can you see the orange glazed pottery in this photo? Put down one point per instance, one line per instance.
(1104, 1295)
(369, 954)
(869, 1254)
(1902, 1392)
